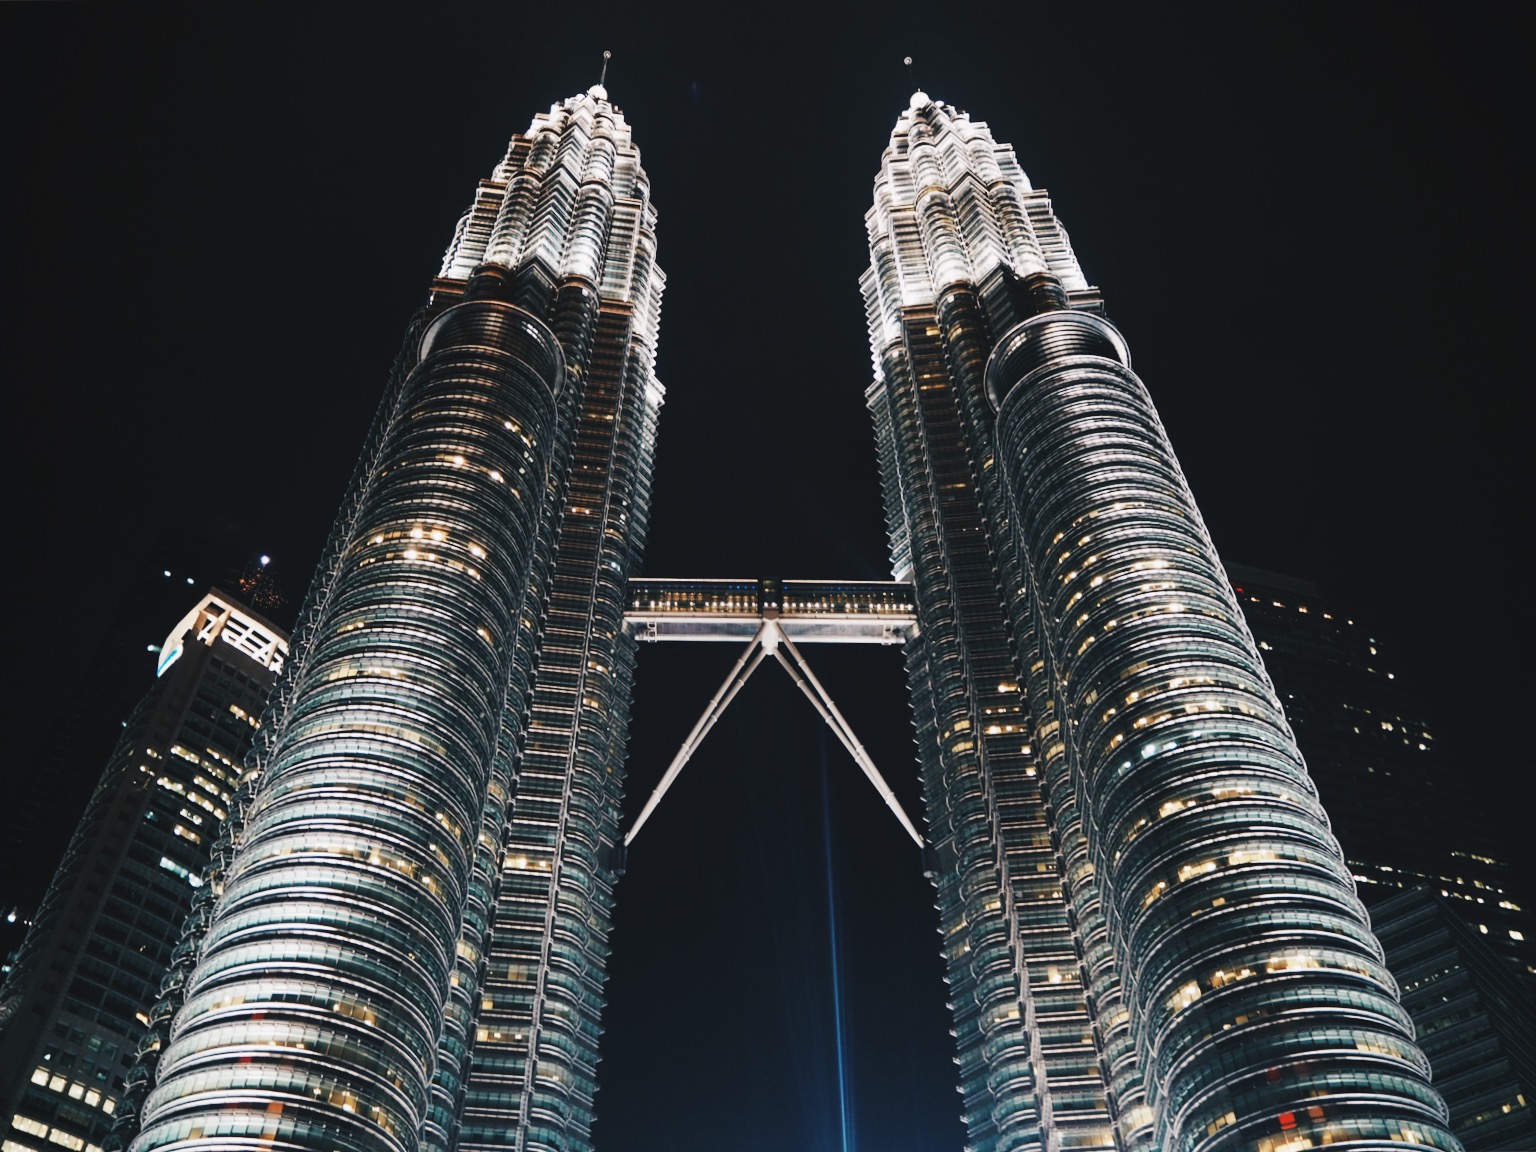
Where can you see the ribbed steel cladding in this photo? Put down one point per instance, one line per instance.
(1124, 1079)
(1258, 989)
(543, 1036)
(1063, 1006)
(456, 1044)
(999, 1083)
(315, 1011)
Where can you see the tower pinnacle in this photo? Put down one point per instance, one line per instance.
(919, 97)
(598, 90)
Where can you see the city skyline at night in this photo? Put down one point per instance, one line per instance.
(765, 419)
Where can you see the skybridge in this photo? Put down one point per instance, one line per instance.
(807, 611)
(773, 617)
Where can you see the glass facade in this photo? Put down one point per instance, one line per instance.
(1475, 1018)
(574, 198)
(1010, 898)
(1152, 937)
(1444, 902)
(320, 982)
(406, 936)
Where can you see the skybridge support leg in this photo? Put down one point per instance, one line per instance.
(771, 638)
(739, 674)
(819, 697)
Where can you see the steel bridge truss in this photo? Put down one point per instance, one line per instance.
(772, 616)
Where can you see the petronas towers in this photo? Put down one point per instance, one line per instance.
(1150, 936)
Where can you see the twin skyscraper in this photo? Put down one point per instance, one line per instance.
(1151, 937)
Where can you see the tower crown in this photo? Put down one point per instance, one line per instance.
(953, 206)
(569, 200)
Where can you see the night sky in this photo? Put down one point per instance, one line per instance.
(1307, 222)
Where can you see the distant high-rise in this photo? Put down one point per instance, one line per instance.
(89, 970)
(105, 677)
(402, 943)
(1399, 803)
(1475, 1017)
(1419, 848)
(1153, 940)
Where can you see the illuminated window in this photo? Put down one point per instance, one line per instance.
(1185, 996)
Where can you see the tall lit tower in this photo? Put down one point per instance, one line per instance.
(341, 986)
(89, 970)
(1152, 938)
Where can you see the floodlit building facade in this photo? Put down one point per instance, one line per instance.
(404, 940)
(88, 973)
(1152, 937)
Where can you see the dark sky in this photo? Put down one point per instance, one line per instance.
(1307, 221)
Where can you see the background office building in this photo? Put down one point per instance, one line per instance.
(1475, 1017)
(1443, 899)
(74, 1007)
(105, 677)
(1400, 804)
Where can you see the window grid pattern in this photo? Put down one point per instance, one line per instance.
(539, 991)
(318, 996)
(142, 1075)
(1029, 1066)
(87, 975)
(1260, 1005)
(559, 244)
(542, 996)
(1221, 978)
